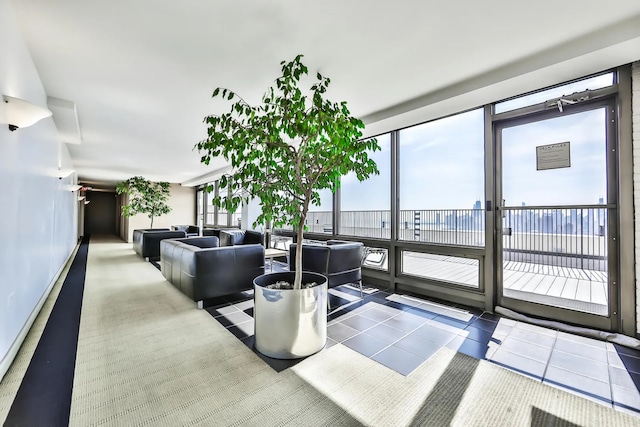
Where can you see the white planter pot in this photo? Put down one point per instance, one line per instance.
(290, 324)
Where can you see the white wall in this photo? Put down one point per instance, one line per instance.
(183, 211)
(39, 213)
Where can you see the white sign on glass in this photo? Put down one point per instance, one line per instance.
(553, 156)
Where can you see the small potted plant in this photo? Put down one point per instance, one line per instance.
(283, 151)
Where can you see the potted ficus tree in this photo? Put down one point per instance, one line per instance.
(283, 151)
(145, 197)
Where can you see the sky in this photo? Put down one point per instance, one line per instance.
(441, 163)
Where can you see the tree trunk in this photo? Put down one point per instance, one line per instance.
(151, 222)
(297, 282)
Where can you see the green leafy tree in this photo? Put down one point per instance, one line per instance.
(286, 149)
(145, 197)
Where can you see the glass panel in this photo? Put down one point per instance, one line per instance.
(583, 182)
(556, 256)
(320, 218)
(210, 218)
(200, 208)
(461, 271)
(592, 83)
(222, 217)
(366, 206)
(441, 171)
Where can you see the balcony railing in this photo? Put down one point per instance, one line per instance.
(567, 237)
(564, 237)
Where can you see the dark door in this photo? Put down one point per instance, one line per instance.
(100, 213)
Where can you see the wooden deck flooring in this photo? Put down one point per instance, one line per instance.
(560, 283)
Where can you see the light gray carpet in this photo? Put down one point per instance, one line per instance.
(147, 356)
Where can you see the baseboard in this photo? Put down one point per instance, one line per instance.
(7, 360)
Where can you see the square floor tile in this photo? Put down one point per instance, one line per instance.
(472, 348)
(365, 344)
(480, 335)
(518, 363)
(580, 383)
(240, 296)
(392, 311)
(385, 333)
(580, 365)
(242, 330)
(436, 335)
(625, 379)
(405, 322)
(625, 362)
(399, 360)
(583, 350)
(377, 314)
(485, 324)
(234, 318)
(583, 340)
(537, 329)
(242, 306)
(626, 397)
(222, 310)
(621, 349)
(448, 325)
(532, 337)
(340, 332)
(491, 316)
(418, 346)
(526, 349)
(360, 323)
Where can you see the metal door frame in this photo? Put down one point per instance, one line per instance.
(604, 98)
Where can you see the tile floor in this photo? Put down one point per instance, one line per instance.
(402, 332)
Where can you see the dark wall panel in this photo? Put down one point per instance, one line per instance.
(100, 213)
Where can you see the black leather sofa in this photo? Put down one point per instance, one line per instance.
(214, 231)
(191, 230)
(201, 269)
(146, 242)
(234, 237)
(340, 261)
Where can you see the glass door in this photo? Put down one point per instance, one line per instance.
(556, 228)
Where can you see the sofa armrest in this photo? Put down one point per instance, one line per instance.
(151, 241)
(225, 270)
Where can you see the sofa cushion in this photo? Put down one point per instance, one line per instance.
(233, 237)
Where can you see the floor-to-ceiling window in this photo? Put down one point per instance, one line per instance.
(365, 206)
(441, 192)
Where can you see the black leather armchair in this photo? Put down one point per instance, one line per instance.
(339, 261)
(200, 269)
(146, 242)
(234, 237)
(191, 230)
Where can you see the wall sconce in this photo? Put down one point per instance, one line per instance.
(81, 198)
(86, 202)
(64, 173)
(22, 114)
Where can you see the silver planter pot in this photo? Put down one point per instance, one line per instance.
(290, 324)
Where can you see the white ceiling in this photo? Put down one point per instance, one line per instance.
(141, 71)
